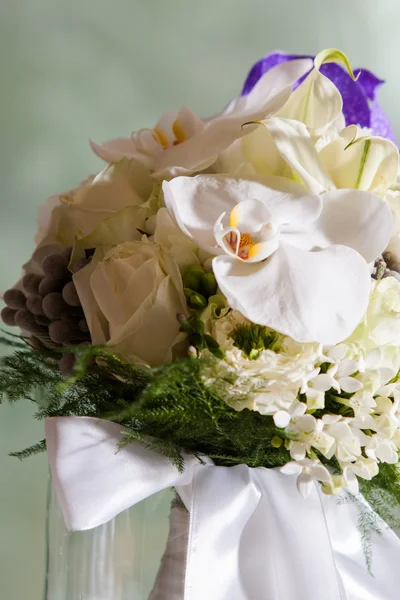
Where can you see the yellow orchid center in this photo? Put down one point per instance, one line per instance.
(245, 245)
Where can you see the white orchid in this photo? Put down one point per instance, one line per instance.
(290, 261)
(182, 143)
(307, 472)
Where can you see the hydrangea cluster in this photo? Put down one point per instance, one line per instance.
(268, 236)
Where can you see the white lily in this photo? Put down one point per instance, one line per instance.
(292, 262)
(307, 472)
(182, 143)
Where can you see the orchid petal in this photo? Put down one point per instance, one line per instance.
(353, 218)
(115, 150)
(263, 250)
(250, 215)
(365, 163)
(297, 148)
(309, 296)
(266, 98)
(198, 202)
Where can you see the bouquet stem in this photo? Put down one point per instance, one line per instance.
(170, 580)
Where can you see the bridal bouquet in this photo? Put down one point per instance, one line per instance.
(222, 303)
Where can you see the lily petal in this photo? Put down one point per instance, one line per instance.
(310, 296)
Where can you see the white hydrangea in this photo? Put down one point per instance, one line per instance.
(341, 401)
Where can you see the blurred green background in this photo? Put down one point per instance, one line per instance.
(74, 69)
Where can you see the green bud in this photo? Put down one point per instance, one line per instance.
(195, 300)
(209, 284)
(192, 277)
(276, 442)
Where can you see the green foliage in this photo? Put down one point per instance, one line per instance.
(368, 524)
(178, 409)
(168, 408)
(253, 339)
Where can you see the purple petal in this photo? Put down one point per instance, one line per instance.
(369, 82)
(265, 64)
(380, 123)
(355, 102)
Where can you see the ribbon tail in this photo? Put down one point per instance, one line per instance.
(94, 481)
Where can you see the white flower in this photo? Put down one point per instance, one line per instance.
(182, 143)
(307, 471)
(366, 468)
(351, 161)
(130, 298)
(77, 213)
(393, 199)
(315, 285)
(338, 378)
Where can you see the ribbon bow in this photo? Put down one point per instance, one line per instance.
(252, 536)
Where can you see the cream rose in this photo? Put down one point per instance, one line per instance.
(131, 296)
(76, 213)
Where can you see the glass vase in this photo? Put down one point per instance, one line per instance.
(119, 560)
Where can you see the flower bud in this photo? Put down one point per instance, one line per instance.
(192, 277)
(195, 300)
(209, 284)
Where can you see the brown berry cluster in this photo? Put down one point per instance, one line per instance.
(47, 308)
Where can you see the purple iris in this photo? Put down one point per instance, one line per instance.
(360, 106)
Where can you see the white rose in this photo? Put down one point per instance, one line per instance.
(131, 296)
(77, 213)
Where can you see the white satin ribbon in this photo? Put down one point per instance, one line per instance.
(252, 536)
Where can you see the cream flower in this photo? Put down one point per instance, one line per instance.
(182, 143)
(289, 261)
(75, 214)
(353, 160)
(130, 297)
